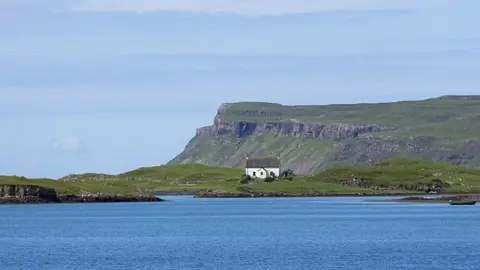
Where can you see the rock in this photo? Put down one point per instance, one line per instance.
(240, 129)
(27, 194)
(106, 198)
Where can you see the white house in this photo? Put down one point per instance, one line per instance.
(262, 167)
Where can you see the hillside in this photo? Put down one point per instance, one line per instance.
(313, 138)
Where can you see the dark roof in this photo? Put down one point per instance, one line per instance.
(266, 162)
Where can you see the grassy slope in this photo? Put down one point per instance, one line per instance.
(196, 177)
(433, 129)
(230, 152)
(162, 178)
(406, 171)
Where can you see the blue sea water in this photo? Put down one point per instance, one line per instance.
(263, 233)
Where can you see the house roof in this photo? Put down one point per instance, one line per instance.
(266, 162)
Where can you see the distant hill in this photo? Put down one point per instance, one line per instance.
(313, 138)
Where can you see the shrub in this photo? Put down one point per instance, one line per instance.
(269, 179)
(245, 179)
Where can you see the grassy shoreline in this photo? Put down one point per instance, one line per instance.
(395, 177)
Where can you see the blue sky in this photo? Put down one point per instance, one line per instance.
(112, 85)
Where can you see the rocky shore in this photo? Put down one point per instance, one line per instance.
(105, 198)
(439, 199)
(29, 194)
(266, 194)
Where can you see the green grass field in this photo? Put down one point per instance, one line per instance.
(196, 178)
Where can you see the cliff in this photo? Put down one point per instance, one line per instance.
(314, 138)
(242, 129)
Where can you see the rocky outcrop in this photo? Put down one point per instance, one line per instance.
(27, 194)
(106, 198)
(20, 194)
(241, 129)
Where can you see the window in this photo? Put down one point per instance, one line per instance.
(261, 173)
(254, 174)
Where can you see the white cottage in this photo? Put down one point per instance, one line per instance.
(262, 167)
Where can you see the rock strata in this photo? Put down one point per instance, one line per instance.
(241, 129)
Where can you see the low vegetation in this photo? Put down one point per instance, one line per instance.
(401, 172)
(390, 176)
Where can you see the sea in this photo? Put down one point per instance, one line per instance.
(241, 233)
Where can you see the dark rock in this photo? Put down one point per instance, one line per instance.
(106, 198)
(27, 194)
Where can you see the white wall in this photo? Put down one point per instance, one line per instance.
(259, 171)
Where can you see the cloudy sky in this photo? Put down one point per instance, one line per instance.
(112, 85)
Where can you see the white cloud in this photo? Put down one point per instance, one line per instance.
(67, 144)
(244, 7)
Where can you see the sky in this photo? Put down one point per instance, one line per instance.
(113, 85)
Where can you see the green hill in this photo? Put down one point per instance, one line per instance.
(313, 138)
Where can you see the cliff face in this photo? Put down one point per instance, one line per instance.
(242, 129)
(313, 138)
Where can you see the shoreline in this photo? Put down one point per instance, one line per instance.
(441, 199)
(200, 194)
(76, 199)
(319, 195)
(32, 194)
